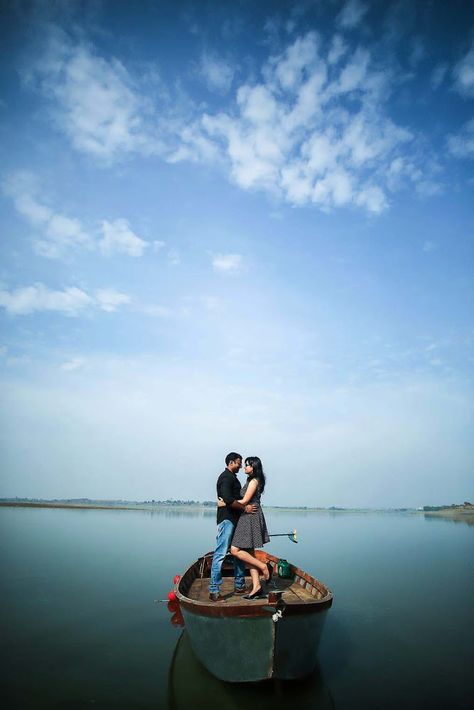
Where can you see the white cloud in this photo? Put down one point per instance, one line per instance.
(461, 144)
(335, 188)
(315, 132)
(30, 299)
(313, 129)
(373, 198)
(61, 234)
(74, 301)
(351, 14)
(354, 73)
(108, 299)
(227, 263)
(69, 302)
(193, 145)
(22, 187)
(96, 102)
(464, 75)
(338, 49)
(290, 68)
(118, 238)
(217, 73)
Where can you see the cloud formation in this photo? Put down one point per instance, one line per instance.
(69, 302)
(312, 128)
(314, 131)
(118, 238)
(62, 234)
(75, 363)
(96, 101)
(352, 14)
(461, 144)
(464, 75)
(217, 73)
(227, 263)
(108, 299)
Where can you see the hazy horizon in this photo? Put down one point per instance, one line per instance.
(238, 227)
(206, 503)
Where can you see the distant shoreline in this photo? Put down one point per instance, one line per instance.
(194, 505)
(455, 512)
(102, 506)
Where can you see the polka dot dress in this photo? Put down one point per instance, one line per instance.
(251, 529)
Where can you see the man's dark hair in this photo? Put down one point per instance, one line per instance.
(232, 457)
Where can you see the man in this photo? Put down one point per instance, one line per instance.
(228, 488)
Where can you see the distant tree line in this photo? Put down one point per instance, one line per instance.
(170, 501)
(95, 501)
(428, 508)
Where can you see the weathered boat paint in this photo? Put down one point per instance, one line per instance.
(296, 645)
(235, 649)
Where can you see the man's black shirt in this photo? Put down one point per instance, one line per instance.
(228, 488)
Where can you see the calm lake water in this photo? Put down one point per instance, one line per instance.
(80, 627)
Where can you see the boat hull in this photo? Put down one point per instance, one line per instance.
(246, 649)
(247, 641)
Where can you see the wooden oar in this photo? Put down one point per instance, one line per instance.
(291, 536)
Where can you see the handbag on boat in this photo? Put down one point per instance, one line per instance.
(284, 569)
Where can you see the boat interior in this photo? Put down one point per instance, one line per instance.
(300, 588)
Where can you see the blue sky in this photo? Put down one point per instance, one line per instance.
(238, 226)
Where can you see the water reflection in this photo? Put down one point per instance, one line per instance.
(183, 512)
(466, 519)
(191, 685)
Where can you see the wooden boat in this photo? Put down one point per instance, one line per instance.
(243, 640)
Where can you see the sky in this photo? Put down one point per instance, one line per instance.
(237, 226)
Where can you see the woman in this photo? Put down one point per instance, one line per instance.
(251, 530)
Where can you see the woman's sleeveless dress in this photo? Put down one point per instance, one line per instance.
(251, 529)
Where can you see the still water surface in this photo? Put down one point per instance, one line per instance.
(80, 627)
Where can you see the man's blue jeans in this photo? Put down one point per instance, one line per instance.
(225, 531)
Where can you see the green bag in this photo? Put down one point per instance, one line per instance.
(284, 569)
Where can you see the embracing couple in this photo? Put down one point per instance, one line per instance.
(240, 525)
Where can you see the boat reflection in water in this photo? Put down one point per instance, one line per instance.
(190, 685)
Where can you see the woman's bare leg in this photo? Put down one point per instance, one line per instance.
(252, 561)
(255, 576)
(255, 580)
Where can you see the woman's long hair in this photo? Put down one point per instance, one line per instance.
(257, 471)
